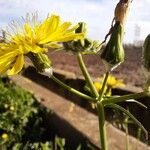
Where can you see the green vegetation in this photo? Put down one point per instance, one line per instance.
(22, 120)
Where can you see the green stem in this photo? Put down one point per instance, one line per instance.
(102, 126)
(123, 98)
(76, 92)
(127, 133)
(103, 87)
(86, 75)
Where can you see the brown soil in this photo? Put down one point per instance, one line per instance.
(130, 71)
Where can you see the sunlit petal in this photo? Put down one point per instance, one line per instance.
(18, 65)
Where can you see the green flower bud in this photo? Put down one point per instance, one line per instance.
(146, 53)
(146, 63)
(82, 28)
(113, 53)
(41, 62)
(85, 46)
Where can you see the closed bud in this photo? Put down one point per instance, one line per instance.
(146, 53)
(113, 53)
(41, 62)
(146, 63)
(85, 45)
(82, 28)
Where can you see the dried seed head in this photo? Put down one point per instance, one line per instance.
(121, 11)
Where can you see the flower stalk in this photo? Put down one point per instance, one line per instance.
(101, 94)
(72, 90)
(102, 125)
(87, 75)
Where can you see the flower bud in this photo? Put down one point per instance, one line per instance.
(41, 62)
(85, 46)
(82, 28)
(146, 53)
(146, 63)
(113, 53)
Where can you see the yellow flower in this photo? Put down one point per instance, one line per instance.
(4, 136)
(98, 86)
(112, 82)
(11, 58)
(33, 37)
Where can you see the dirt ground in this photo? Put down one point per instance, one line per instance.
(130, 71)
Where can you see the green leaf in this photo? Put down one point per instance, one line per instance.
(115, 106)
(137, 102)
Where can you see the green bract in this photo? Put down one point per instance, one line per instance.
(146, 53)
(113, 53)
(40, 61)
(85, 46)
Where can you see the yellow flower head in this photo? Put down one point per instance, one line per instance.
(4, 136)
(11, 58)
(34, 34)
(98, 86)
(35, 37)
(112, 82)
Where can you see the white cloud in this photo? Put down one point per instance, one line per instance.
(97, 13)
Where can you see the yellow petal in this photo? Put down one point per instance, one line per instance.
(53, 45)
(8, 56)
(17, 66)
(5, 66)
(68, 37)
(48, 27)
(53, 34)
(64, 27)
(28, 30)
(53, 24)
(73, 28)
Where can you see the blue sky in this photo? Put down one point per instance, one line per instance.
(97, 13)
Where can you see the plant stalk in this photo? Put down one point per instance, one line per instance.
(102, 126)
(74, 91)
(103, 87)
(123, 98)
(86, 75)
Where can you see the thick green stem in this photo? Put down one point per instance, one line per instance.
(102, 126)
(123, 98)
(103, 87)
(74, 91)
(86, 75)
